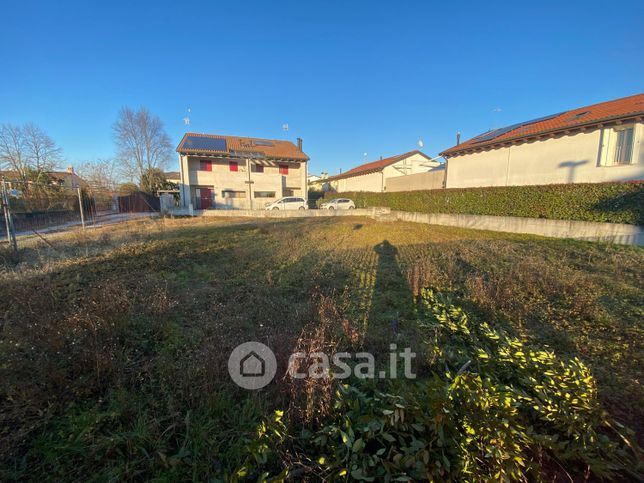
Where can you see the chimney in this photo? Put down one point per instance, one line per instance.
(458, 138)
(70, 169)
(299, 144)
(380, 158)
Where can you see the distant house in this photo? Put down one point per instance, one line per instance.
(66, 179)
(590, 144)
(373, 176)
(231, 172)
(318, 183)
(173, 177)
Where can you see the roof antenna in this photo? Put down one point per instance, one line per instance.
(421, 143)
(496, 110)
(364, 155)
(186, 120)
(285, 129)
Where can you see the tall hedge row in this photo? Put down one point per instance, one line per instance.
(603, 202)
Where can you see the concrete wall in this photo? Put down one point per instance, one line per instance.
(578, 230)
(577, 158)
(221, 179)
(375, 182)
(429, 180)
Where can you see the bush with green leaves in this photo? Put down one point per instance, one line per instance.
(493, 409)
(601, 202)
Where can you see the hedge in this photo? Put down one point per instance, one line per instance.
(602, 202)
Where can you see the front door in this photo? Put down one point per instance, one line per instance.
(205, 197)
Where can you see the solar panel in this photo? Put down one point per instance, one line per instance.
(259, 142)
(499, 132)
(201, 143)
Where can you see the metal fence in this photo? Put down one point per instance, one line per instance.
(33, 208)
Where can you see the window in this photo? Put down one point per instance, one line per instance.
(287, 192)
(233, 194)
(258, 168)
(624, 146)
(617, 146)
(233, 166)
(284, 169)
(205, 165)
(264, 194)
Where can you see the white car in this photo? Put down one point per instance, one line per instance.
(338, 204)
(288, 203)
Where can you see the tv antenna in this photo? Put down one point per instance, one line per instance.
(364, 155)
(186, 120)
(421, 143)
(285, 127)
(495, 111)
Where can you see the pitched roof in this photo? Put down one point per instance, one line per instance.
(375, 166)
(54, 175)
(235, 146)
(615, 110)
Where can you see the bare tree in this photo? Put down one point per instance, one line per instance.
(13, 151)
(26, 150)
(101, 174)
(142, 142)
(44, 155)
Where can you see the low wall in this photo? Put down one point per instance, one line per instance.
(579, 230)
(372, 212)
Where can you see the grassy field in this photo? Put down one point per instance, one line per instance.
(114, 342)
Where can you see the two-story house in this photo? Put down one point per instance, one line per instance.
(232, 172)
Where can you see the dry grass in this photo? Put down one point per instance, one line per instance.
(114, 341)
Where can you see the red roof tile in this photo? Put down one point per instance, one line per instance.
(375, 166)
(270, 148)
(618, 109)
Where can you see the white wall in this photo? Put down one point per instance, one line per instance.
(562, 159)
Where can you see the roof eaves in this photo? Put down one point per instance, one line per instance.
(493, 144)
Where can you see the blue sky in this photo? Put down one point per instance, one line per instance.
(348, 77)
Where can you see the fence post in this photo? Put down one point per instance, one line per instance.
(11, 233)
(80, 206)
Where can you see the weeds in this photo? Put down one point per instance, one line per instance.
(113, 344)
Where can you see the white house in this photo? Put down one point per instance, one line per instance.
(591, 144)
(373, 176)
(231, 172)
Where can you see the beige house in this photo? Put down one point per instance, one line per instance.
(173, 177)
(64, 179)
(231, 172)
(374, 176)
(591, 144)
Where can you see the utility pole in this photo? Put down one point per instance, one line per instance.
(249, 183)
(80, 205)
(11, 233)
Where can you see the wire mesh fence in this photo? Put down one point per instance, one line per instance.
(35, 209)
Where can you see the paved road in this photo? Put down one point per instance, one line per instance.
(101, 220)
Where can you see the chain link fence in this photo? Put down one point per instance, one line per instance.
(35, 209)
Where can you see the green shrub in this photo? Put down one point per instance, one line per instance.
(602, 202)
(494, 409)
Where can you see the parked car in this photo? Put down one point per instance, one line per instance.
(287, 203)
(338, 204)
